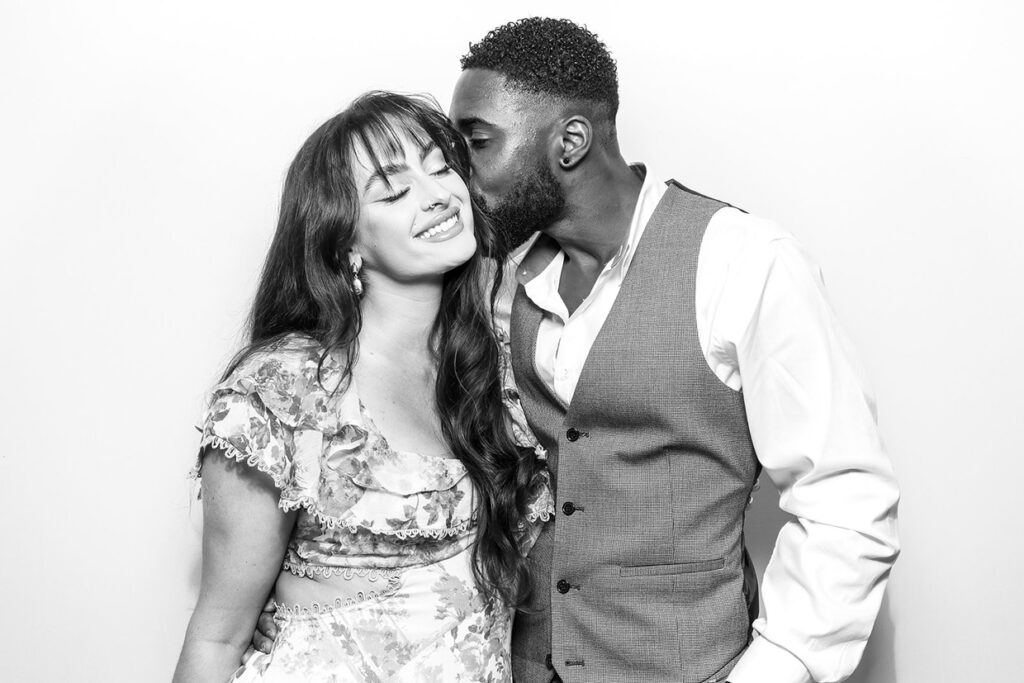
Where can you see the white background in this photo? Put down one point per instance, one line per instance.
(142, 149)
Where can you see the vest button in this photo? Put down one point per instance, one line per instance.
(572, 434)
(568, 508)
(563, 586)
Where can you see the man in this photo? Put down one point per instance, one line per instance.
(667, 347)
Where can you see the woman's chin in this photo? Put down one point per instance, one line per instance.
(460, 250)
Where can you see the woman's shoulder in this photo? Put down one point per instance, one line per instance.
(295, 378)
(290, 358)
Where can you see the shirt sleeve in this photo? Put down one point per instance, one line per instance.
(768, 330)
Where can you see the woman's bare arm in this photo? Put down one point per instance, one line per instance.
(244, 539)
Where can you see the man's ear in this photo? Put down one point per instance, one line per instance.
(577, 134)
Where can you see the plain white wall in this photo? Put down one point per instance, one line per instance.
(142, 149)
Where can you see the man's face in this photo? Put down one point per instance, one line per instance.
(508, 134)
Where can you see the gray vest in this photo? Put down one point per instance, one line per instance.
(644, 575)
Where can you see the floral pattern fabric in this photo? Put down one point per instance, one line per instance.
(435, 626)
(366, 509)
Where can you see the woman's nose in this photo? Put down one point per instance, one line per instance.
(435, 195)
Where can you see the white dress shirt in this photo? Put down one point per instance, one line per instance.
(766, 328)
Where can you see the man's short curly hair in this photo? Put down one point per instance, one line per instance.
(550, 56)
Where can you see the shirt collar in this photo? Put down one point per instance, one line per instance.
(650, 196)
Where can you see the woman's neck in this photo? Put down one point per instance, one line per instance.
(397, 318)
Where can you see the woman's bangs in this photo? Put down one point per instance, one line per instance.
(381, 139)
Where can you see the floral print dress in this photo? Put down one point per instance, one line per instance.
(399, 524)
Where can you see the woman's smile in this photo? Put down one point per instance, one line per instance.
(443, 227)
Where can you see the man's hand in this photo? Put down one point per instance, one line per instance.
(266, 629)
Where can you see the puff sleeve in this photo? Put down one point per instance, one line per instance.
(280, 412)
(244, 429)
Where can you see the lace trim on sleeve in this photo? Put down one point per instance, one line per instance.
(312, 506)
(230, 451)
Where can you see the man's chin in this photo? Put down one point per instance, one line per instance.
(514, 231)
(505, 224)
(533, 204)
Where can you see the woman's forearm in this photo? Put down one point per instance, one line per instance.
(207, 661)
(215, 641)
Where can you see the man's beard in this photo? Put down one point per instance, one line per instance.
(535, 201)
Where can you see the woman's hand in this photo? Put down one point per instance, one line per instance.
(244, 539)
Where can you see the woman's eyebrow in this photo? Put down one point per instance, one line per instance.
(398, 166)
(427, 148)
(385, 171)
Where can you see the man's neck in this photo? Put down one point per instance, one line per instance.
(596, 224)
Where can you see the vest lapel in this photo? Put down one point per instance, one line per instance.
(524, 324)
(526, 318)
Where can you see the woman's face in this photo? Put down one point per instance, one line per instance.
(416, 220)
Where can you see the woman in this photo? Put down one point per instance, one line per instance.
(396, 558)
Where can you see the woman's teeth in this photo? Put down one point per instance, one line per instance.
(439, 229)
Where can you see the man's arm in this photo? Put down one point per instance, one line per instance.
(813, 424)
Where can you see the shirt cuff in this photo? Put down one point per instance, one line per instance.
(766, 662)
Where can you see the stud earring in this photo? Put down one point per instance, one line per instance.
(566, 161)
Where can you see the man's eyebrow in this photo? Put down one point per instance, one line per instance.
(472, 121)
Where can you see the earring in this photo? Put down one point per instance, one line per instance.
(566, 161)
(355, 262)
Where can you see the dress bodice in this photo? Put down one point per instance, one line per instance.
(288, 411)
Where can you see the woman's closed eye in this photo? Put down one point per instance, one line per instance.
(395, 195)
(444, 170)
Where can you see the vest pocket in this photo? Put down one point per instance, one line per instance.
(672, 569)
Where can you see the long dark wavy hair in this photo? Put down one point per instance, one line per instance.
(306, 288)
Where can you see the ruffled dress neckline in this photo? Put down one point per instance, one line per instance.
(300, 420)
(403, 472)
